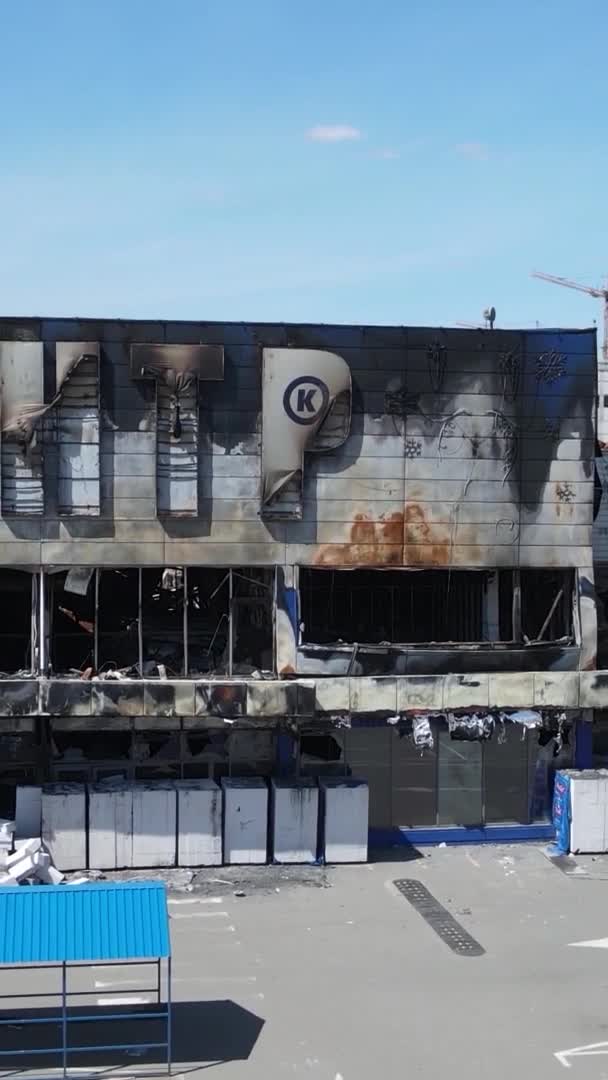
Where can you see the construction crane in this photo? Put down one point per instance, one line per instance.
(599, 294)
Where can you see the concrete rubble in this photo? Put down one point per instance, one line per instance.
(29, 864)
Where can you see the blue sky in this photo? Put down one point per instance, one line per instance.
(404, 161)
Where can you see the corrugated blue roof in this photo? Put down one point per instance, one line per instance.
(52, 923)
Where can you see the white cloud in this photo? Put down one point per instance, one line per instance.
(333, 133)
(475, 151)
(387, 154)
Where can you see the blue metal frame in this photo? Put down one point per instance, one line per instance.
(490, 834)
(583, 744)
(65, 1019)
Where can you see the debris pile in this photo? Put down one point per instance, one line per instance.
(29, 864)
(7, 834)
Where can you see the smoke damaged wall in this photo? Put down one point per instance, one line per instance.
(464, 449)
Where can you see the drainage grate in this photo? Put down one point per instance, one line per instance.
(439, 919)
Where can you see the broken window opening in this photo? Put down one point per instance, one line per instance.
(206, 755)
(166, 622)
(401, 606)
(321, 754)
(230, 620)
(71, 608)
(547, 600)
(435, 607)
(252, 620)
(251, 753)
(117, 644)
(157, 755)
(208, 620)
(17, 622)
(162, 613)
(78, 747)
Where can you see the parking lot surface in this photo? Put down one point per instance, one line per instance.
(339, 974)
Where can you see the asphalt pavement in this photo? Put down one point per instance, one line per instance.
(340, 975)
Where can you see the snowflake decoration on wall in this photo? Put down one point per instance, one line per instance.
(550, 366)
(413, 448)
(565, 492)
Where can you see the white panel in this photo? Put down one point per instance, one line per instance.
(28, 812)
(245, 819)
(199, 816)
(345, 820)
(64, 830)
(110, 827)
(154, 825)
(294, 820)
(589, 807)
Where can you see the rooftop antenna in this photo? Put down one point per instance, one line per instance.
(598, 293)
(489, 318)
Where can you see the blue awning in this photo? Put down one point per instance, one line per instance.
(55, 923)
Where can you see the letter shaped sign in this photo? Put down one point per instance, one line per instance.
(178, 370)
(303, 390)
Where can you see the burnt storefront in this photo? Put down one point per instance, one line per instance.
(254, 549)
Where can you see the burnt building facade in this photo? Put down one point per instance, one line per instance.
(251, 549)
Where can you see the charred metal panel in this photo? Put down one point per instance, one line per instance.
(376, 660)
(332, 695)
(107, 705)
(66, 697)
(118, 698)
(307, 697)
(272, 699)
(593, 689)
(77, 429)
(373, 695)
(177, 363)
(420, 692)
(19, 697)
(169, 699)
(560, 689)
(221, 699)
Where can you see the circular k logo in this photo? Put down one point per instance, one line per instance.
(306, 399)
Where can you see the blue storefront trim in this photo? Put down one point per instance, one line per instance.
(481, 834)
(583, 745)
